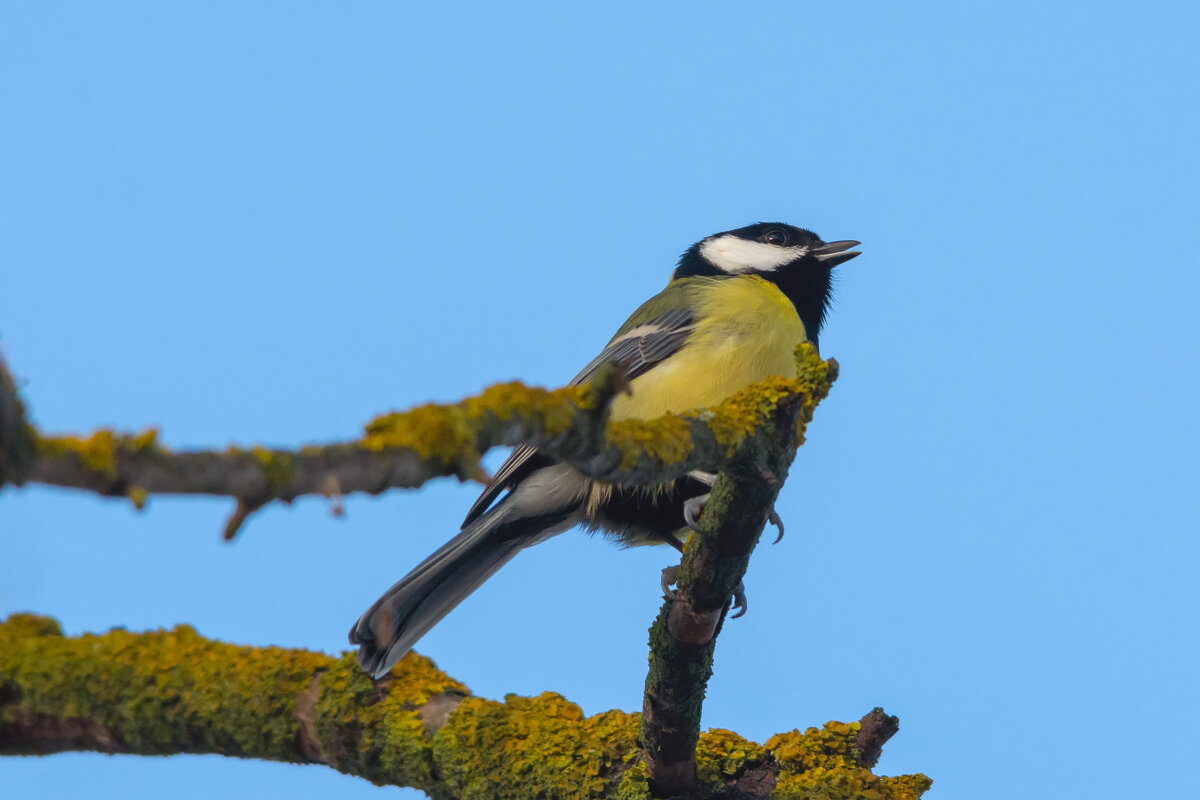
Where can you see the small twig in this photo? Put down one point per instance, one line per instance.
(877, 728)
(240, 513)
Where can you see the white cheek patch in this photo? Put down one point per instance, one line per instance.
(735, 255)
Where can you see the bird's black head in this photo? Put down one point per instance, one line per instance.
(795, 260)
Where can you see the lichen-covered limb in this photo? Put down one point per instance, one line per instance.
(399, 450)
(403, 450)
(167, 692)
(683, 637)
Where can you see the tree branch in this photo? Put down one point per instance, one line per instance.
(168, 692)
(683, 637)
(396, 451)
(404, 450)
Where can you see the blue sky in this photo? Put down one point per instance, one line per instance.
(268, 223)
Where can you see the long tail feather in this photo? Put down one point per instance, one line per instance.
(546, 503)
(408, 610)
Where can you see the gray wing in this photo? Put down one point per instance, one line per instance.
(638, 350)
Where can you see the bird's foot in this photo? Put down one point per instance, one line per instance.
(697, 503)
(692, 509)
(770, 479)
(740, 604)
(669, 576)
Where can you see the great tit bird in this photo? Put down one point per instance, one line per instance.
(737, 304)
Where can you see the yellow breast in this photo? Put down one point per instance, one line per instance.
(748, 331)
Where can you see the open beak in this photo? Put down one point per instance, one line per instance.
(833, 253)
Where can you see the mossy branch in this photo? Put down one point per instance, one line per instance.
(167, 692)
(683, 637)
(398, 450)
(406, 449)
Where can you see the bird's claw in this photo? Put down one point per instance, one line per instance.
(740, 604)
(692, 509)
(773, 518)
(669, 575)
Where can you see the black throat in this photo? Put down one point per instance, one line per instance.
(809, 287)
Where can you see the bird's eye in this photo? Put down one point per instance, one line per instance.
(775, 237)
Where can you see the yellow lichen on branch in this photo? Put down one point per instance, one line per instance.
(175, 691)
(668, 439)
(99, 450)
(825, 763)
(452, 435)
(741, 415)
(398, 450)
